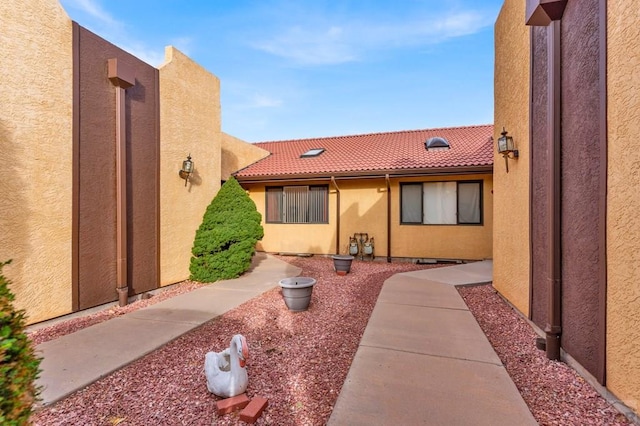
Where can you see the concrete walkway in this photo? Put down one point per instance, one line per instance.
(423, 359)
(76, 360)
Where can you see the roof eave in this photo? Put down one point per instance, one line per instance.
(370, 174)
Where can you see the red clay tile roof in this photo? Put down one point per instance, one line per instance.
(376, 153)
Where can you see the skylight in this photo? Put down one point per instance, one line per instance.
(312, 152)
(436, 143)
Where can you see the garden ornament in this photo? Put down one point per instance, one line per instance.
(225, 371)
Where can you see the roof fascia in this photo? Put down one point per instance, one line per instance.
(378, 174)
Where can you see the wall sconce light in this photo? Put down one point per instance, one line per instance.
(506, 147)
(187, 169)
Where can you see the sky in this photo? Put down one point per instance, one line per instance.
(296, 69)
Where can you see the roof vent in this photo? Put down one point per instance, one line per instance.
(436, 144)
(312, 153)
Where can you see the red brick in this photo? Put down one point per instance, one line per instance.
(228, 405)
(252, 412)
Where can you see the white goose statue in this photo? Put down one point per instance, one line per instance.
(225, 371)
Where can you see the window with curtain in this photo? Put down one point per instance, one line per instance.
(441, 203)
(297, 204)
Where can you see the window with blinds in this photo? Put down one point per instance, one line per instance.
(297, 204)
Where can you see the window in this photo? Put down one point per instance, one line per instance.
(436, 144)
(441, 203)
(298, 204)
(312, 153)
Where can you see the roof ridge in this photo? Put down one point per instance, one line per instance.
(375, 133)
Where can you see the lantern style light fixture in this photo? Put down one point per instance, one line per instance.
(186, 170)
(506, 147)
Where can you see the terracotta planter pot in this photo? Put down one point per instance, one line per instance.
(342, 263)
(296, 292)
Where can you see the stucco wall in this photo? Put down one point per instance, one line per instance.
(237, 154)
(189, 124)
(583, 164)
(469, 242)
(295, 237)
(511, 243)
(623, 220)
(363, 209)
(36, 142)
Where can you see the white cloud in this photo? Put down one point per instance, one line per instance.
(318, 43)
(322, 46)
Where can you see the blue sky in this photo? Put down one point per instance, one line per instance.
(293, 69)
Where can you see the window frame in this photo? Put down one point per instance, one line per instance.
(282, 205)
(480, 184)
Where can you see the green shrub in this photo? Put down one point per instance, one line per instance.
(227, 237)
(19, 367)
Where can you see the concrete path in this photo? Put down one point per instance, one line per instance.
(423, 359)
(76, 360)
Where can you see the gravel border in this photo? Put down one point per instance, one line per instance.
(554, 392)
(299, 361)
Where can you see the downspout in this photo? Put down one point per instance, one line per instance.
(333, 180)
(553, 330)
(386, 178)
(122, 77)
(549, 13)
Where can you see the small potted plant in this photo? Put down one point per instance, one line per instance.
(342, 263)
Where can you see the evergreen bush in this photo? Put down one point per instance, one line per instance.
(227, 237)
(19, 367)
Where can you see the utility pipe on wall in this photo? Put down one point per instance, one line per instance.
(548, 13)
(333, 180)
(386, 178)
(122, 77)
(553, 329)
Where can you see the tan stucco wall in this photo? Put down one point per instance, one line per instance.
(189, 123)
(295, 238)
(36, 143)
(363, 209)
(238, 154)
(623, 202)
(511, 242)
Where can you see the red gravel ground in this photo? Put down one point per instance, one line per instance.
(299, 361)
(554, 392)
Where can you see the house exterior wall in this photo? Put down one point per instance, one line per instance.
(363, 209)
(467, 242)
(237, 154)
(189, 124)
(584, 36)
(511, 209)
(583, 160)
(36, 127)
(623, 202)
(295, 237)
